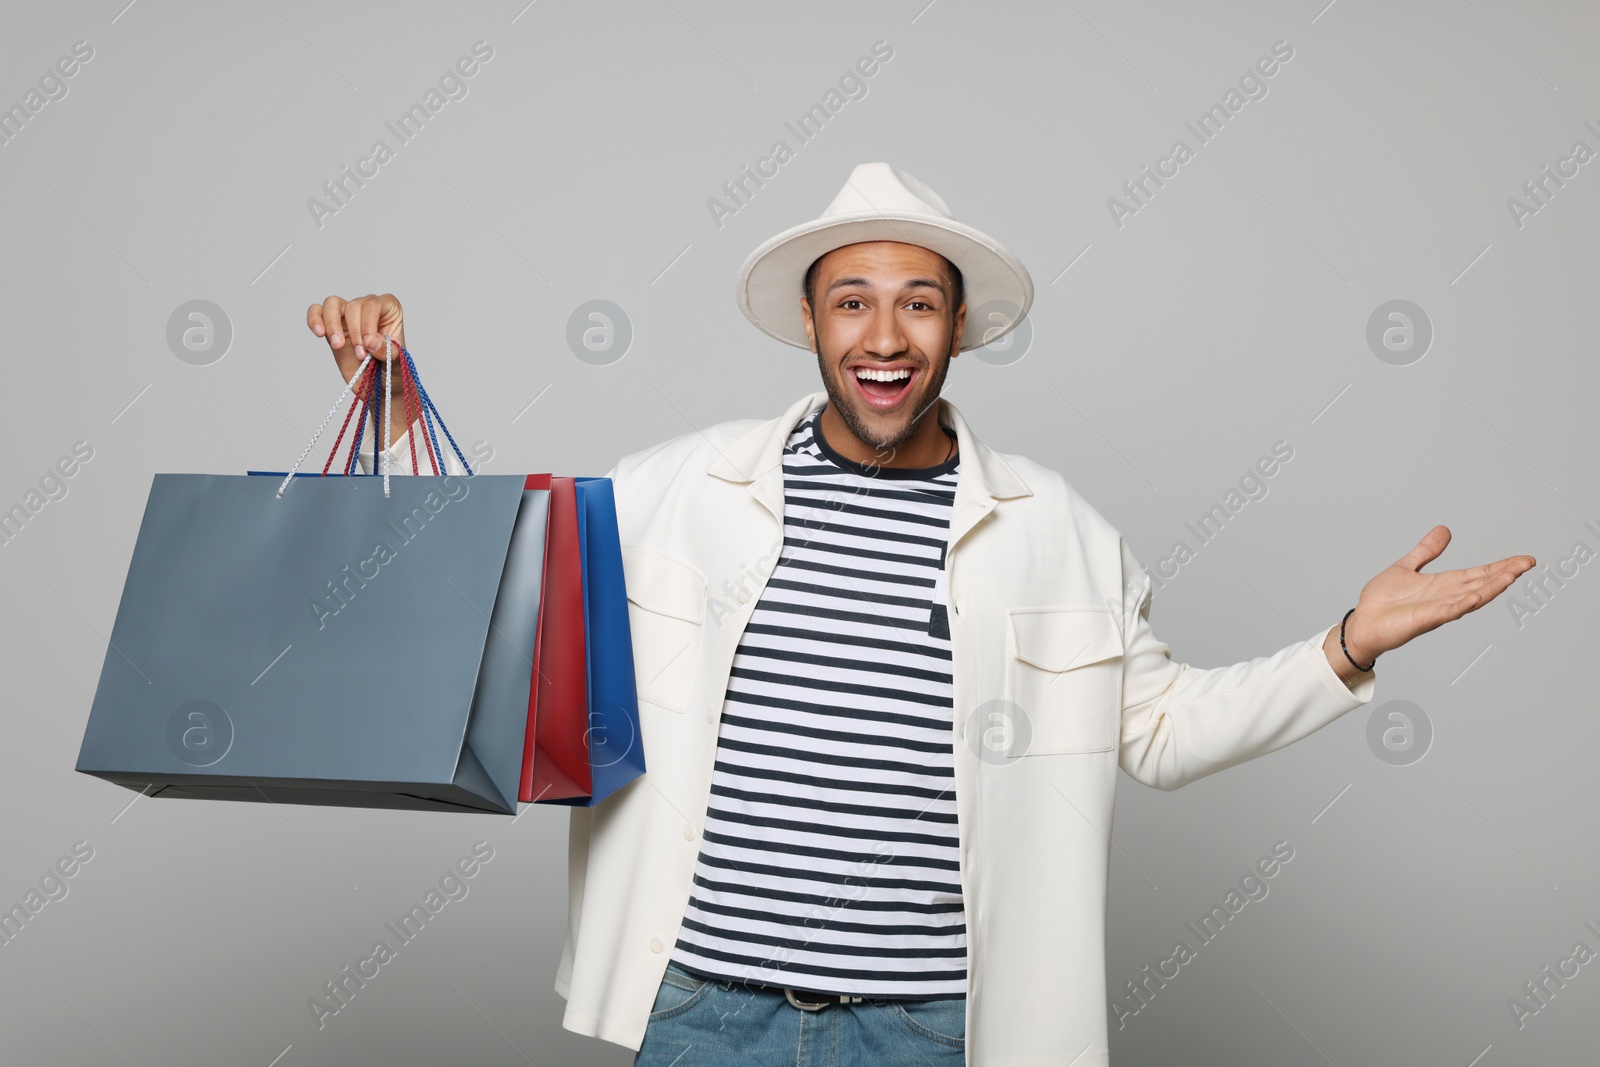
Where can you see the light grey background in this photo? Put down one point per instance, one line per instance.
(1228, 314)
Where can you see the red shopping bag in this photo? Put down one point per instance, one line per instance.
(555, 756)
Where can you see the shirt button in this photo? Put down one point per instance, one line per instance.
(711, 716)
(688, 832)
(655, 944)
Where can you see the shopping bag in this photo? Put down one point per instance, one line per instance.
(338, 644)
(555, 763)
(583, 737)
(329, 647)
(616, 752)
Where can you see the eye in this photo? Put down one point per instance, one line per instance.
(921, 303)
(850, 300)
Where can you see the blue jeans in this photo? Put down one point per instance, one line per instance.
(708, 1022)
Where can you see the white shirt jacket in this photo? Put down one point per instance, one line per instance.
(1049, 612)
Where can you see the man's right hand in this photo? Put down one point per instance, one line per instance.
(353, 328)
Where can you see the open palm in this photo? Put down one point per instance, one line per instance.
(1401, 602)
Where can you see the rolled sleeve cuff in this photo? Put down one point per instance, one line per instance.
(1350, 696)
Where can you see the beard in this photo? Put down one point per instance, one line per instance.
(847, 402)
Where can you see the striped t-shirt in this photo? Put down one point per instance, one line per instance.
(830, 861)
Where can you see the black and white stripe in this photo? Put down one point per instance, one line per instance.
(830, 859)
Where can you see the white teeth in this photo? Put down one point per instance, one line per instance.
(882, 375)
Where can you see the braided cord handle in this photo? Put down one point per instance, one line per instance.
(428, 405)
(287, 478)
(409, 372)
(356, 401)
(427, 418)
(372, 397)
(405, 396)
(367, 395)
(388, 386)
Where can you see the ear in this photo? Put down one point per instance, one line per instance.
(805, 317)
(957, 329)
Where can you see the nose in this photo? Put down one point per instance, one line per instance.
(884, 336)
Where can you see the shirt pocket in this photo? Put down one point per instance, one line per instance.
(666, 614)
(1064, 676)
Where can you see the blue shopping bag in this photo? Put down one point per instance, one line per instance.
(616, 750)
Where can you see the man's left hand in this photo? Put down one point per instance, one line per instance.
(1402, 603)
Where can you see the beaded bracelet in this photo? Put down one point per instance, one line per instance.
(1346, 651)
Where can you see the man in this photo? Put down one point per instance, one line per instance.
(887, 676)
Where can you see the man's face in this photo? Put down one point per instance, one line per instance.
(883, 311)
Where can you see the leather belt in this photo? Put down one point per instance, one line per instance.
(804, 999)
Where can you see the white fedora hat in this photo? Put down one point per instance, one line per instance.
(880, 203)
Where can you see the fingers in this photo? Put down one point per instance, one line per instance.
(371, 307)
(325, 320)
(328, 321)
(355, 328)
(352, 325)
(389, 320)
(1481, 585)
(338, 337)
(1507, 569)
(1472, 579)
(353, 313)
(333, 325)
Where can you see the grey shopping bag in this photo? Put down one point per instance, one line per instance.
(332, 646)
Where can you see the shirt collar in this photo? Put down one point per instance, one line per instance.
(759, 450)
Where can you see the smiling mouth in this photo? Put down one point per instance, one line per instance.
(883, 388)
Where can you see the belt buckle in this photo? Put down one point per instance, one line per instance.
(805, 1005)
(827, 999)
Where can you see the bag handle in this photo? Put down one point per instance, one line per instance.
(405, 404)
(287, 478)
(408, 371)
(418, 406)
(371, 391)
(432, 411)
(363, 390)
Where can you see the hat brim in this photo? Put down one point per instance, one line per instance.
(998, 289)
